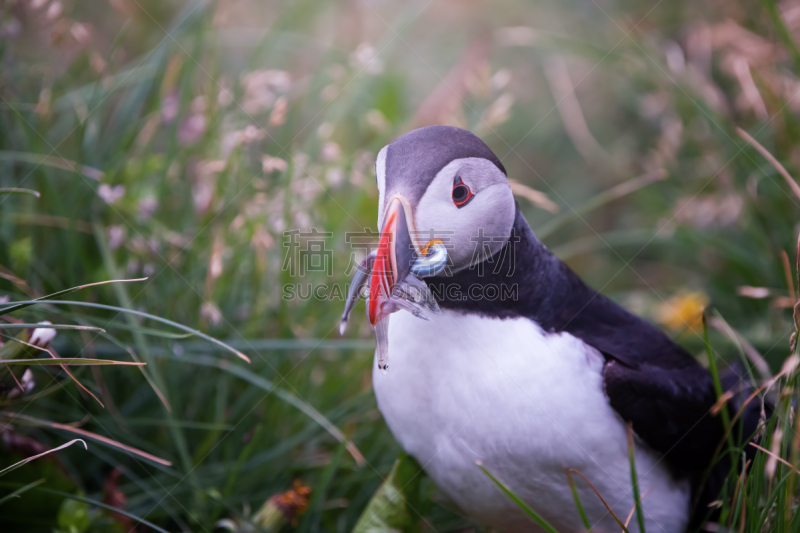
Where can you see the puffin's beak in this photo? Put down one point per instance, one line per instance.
(396, 254)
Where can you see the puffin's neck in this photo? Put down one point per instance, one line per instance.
(528, 279)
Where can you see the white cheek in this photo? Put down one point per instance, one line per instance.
(380, 171)
(486, 220)
(494, 216)
(441, 220)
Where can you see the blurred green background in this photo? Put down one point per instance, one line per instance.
(178, 141)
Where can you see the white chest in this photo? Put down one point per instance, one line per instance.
(463, 388)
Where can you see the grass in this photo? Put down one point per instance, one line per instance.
(536, 517)
(578, 504)
(637, 497)
(137, 142)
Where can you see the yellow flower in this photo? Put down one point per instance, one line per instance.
(683, 311)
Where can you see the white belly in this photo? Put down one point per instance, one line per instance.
(463, 388)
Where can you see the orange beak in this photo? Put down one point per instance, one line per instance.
(393, 261)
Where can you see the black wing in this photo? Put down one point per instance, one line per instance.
(649, 380)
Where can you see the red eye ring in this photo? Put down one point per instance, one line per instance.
(461, 193)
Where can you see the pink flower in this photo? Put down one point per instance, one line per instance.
(110, 194)
(192, 129)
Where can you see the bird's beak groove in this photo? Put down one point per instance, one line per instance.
(395, 255)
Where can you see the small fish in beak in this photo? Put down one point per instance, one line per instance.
(394, 272)
(359, 280)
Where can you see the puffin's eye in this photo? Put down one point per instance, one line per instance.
(461, 193)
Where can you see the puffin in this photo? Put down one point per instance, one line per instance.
(491, 351)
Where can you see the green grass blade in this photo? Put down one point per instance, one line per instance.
(68, 361)
(594, 243)
(149, 378)
(16, 190)
(158, 382)
(104, 506)
(113, 83)
(52, 161)
(51, 326)
(578, 504)
(151, 332)
(783, 31)
(530, 512)
(188, 424)
(635, 480)
(20, 490)
(137, 313)
(21, 305)
(256, 345)
(266, 385)
(310, 520)
(614, 193)
(712, 367)
(86, 320)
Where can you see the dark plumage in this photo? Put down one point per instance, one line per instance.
(411, 164)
